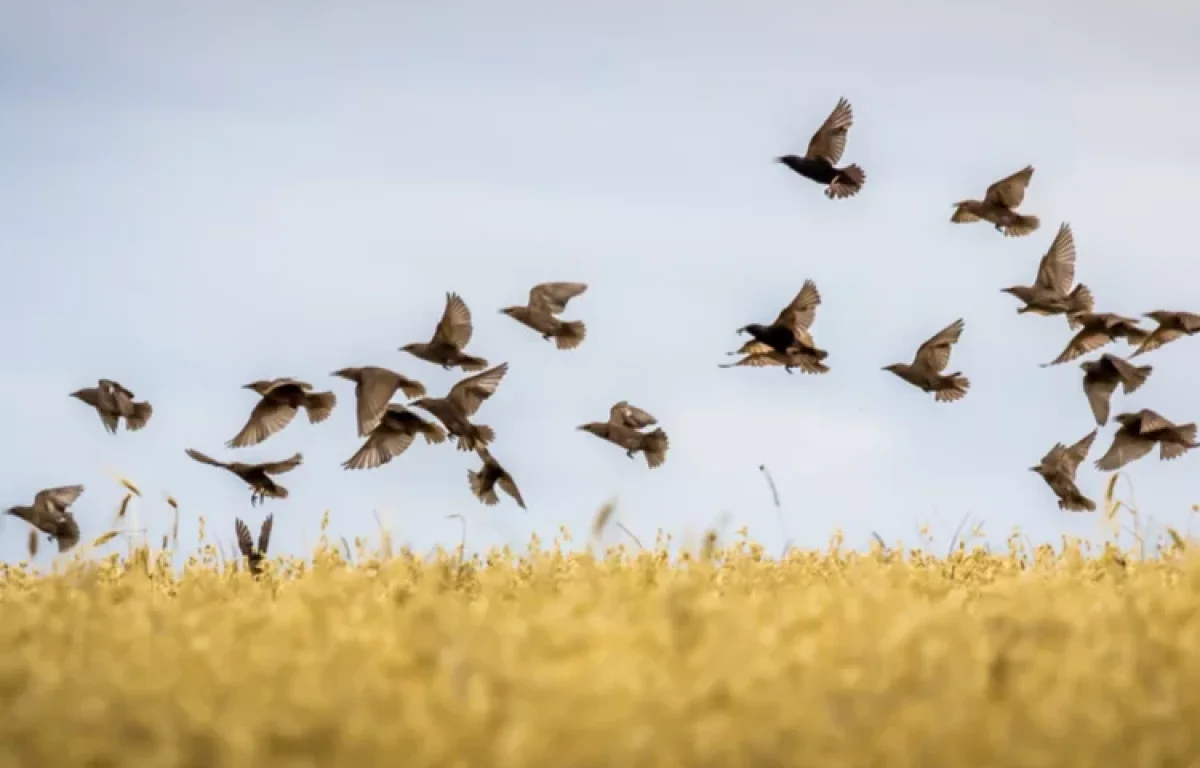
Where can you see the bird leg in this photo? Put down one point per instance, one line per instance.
(255, 497)
(629, 453)
(788, 368)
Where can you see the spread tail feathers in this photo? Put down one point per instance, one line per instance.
(489, 496)
(953, 387)
(570, 335)
(471, 364)
(319, 405)
(655, 445)
(1022, 226)
(846, 183)
(1078, 302)
(141, 414)
(478, 437)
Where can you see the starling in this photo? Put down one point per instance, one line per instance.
(824, 153)
(1171, 326)
(483, 483)
(374, 389)
(450, 338)
(255, 555)
(545, 301)
(257, 476)
(931, 359)
(113, 402)
(1051, 292)
(1096, 330)
(998, 206)
(50, 514)
(1100, 380)
(392, 437)
(789, 333)
(759, 355)
(1058, 470)
(1138, 434)
(464, 399)
(653, 444)
(626, 415)
(281, 400)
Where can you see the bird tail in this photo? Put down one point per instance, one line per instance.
(141, 414)
(1022, 225)
(471, 364)
(412, 389)
(489, 496)
(1077, 503)
(1079, 301)
(1187, 441)
(953, 387)
(478, 436)
(1132, 376)
(319, 405)
(655, 445)
(846, 183)
(366, 457)
(274, 490)
(1135, 337)
(570, 335)
(434, 435)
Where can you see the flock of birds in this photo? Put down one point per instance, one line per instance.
(390, 428)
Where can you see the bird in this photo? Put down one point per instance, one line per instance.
(545, 301)
(281, 401)
(790, 331)
(630, 416)
(114, 402)
(999, 206)
(255, 555)
(450, 338)
(824, 153)
(925, 371)
(653, 444)
(462, 402)
(257, 476)
(392, 436)
(483, 483)
(1101, 377)
(1097, 330)
(1137, 435)
(1171, 327)
(373, 390)
(1051, 292)
(1058, 469)
(759, 355)
(50, 513)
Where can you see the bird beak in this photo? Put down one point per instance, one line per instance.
(1033, 469)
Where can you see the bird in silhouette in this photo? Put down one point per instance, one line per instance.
(999, 204)
(1058, 469)
(1051, 292)
(925, 371)
(257, 476)
(1171, 327)
(630, 416)
(1097, 330)
(281, 400)
(483, 483)
(374, 389)
(1101, 377)
(50, 514)
(790, 331)
(255, 555)
(393, 435)
(759, 355)
(456, 408)
(653, 444)
(450, 338)
(824, 153)
(1138, 434)
(545, 301)
(114, 402)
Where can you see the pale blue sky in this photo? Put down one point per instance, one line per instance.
(181, 183)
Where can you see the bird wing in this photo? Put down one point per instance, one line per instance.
(1056, 272)
(1151, 421)
(115, 388)
(1161, 335)
(244, 542)
(762, 359)
(1099, 393)
(372, 393)
(264, 534)
(57, 498)
(1009, 191)
(289, 382)
(455, 327)
(1089, 339)
(934, 354)
(1124, 449)
(470, 393)
(963, 215)
(829, 141)
(1075, 455)
(509, 486)
(800, 313)
(267, 418)
(203, 459)
(1054, 456)
(67, 532)
(110, 419)
(279, 467)
(553, 297)
(630, 416)
(381, 447)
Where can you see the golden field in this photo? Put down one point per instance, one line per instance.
(627, 657)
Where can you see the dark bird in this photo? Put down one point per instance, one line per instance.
(1058, 469)
(1171, 327)
(374, 389)
(653, 444)
(281, 400)
(824, 153)
(51, 515)
(790, 331)
(483, 483)
(1051, 292)
(257, 476)
(1096, 330)
(450, 338)
(392, 437)
(255, 555)
(999, 204)
(1100, 380)
(545, 301)
(931, 359)
(626, 415)
(759, 355)
(113, 402)
(1138, 434)
(463, 401)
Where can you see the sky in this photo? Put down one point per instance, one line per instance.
(195, 196)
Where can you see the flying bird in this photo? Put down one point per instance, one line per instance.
(374, 389)
(1138, 434)
(825, 150)
(1058, 469)
(463, 401)
(653, 444)
(281, 400)
(483, 483)
(257, 476)
(393, 435)
(50, 514)
(789, 333)
(759, 355)
(925, 371)
(1051, 292)
(545, 301)
(255, 555)
(114, 402)
(1171, 327)
(1097, 330)
(450, 338)
(999, 206)
(626, 415)
(1101, 377)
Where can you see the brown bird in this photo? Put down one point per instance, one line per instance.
(463, 401)
(255, 555)
(931, 359)
(1171, 327)
(1138, 434)
(824, 153)
(1051, 292)
(281, 400)
(1100, 380)
(392, 437)
(51, 515)
(759, 355)
(374, 389)
(450, 338)
(1058, 469)
(113, 402)
(545, 301)
(999, 204)
(790, 331)
(483, 483)
(626, 415)
(653, 444)
(1096, 330)
(257, 476)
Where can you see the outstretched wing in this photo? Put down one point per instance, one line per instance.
(57, 498)
(799, 314)
(934, 354)
(267, 418)
(203, 459)
(455, 326)
(1075, 455)
(279, 467)
(1010, 191)
(470, 393)
(244, 542)
(829, 141)
(553, 297)
(509, 486)
(630, 416)
(1056, 272)
(264, 534)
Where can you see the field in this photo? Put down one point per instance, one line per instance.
(567, 655)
